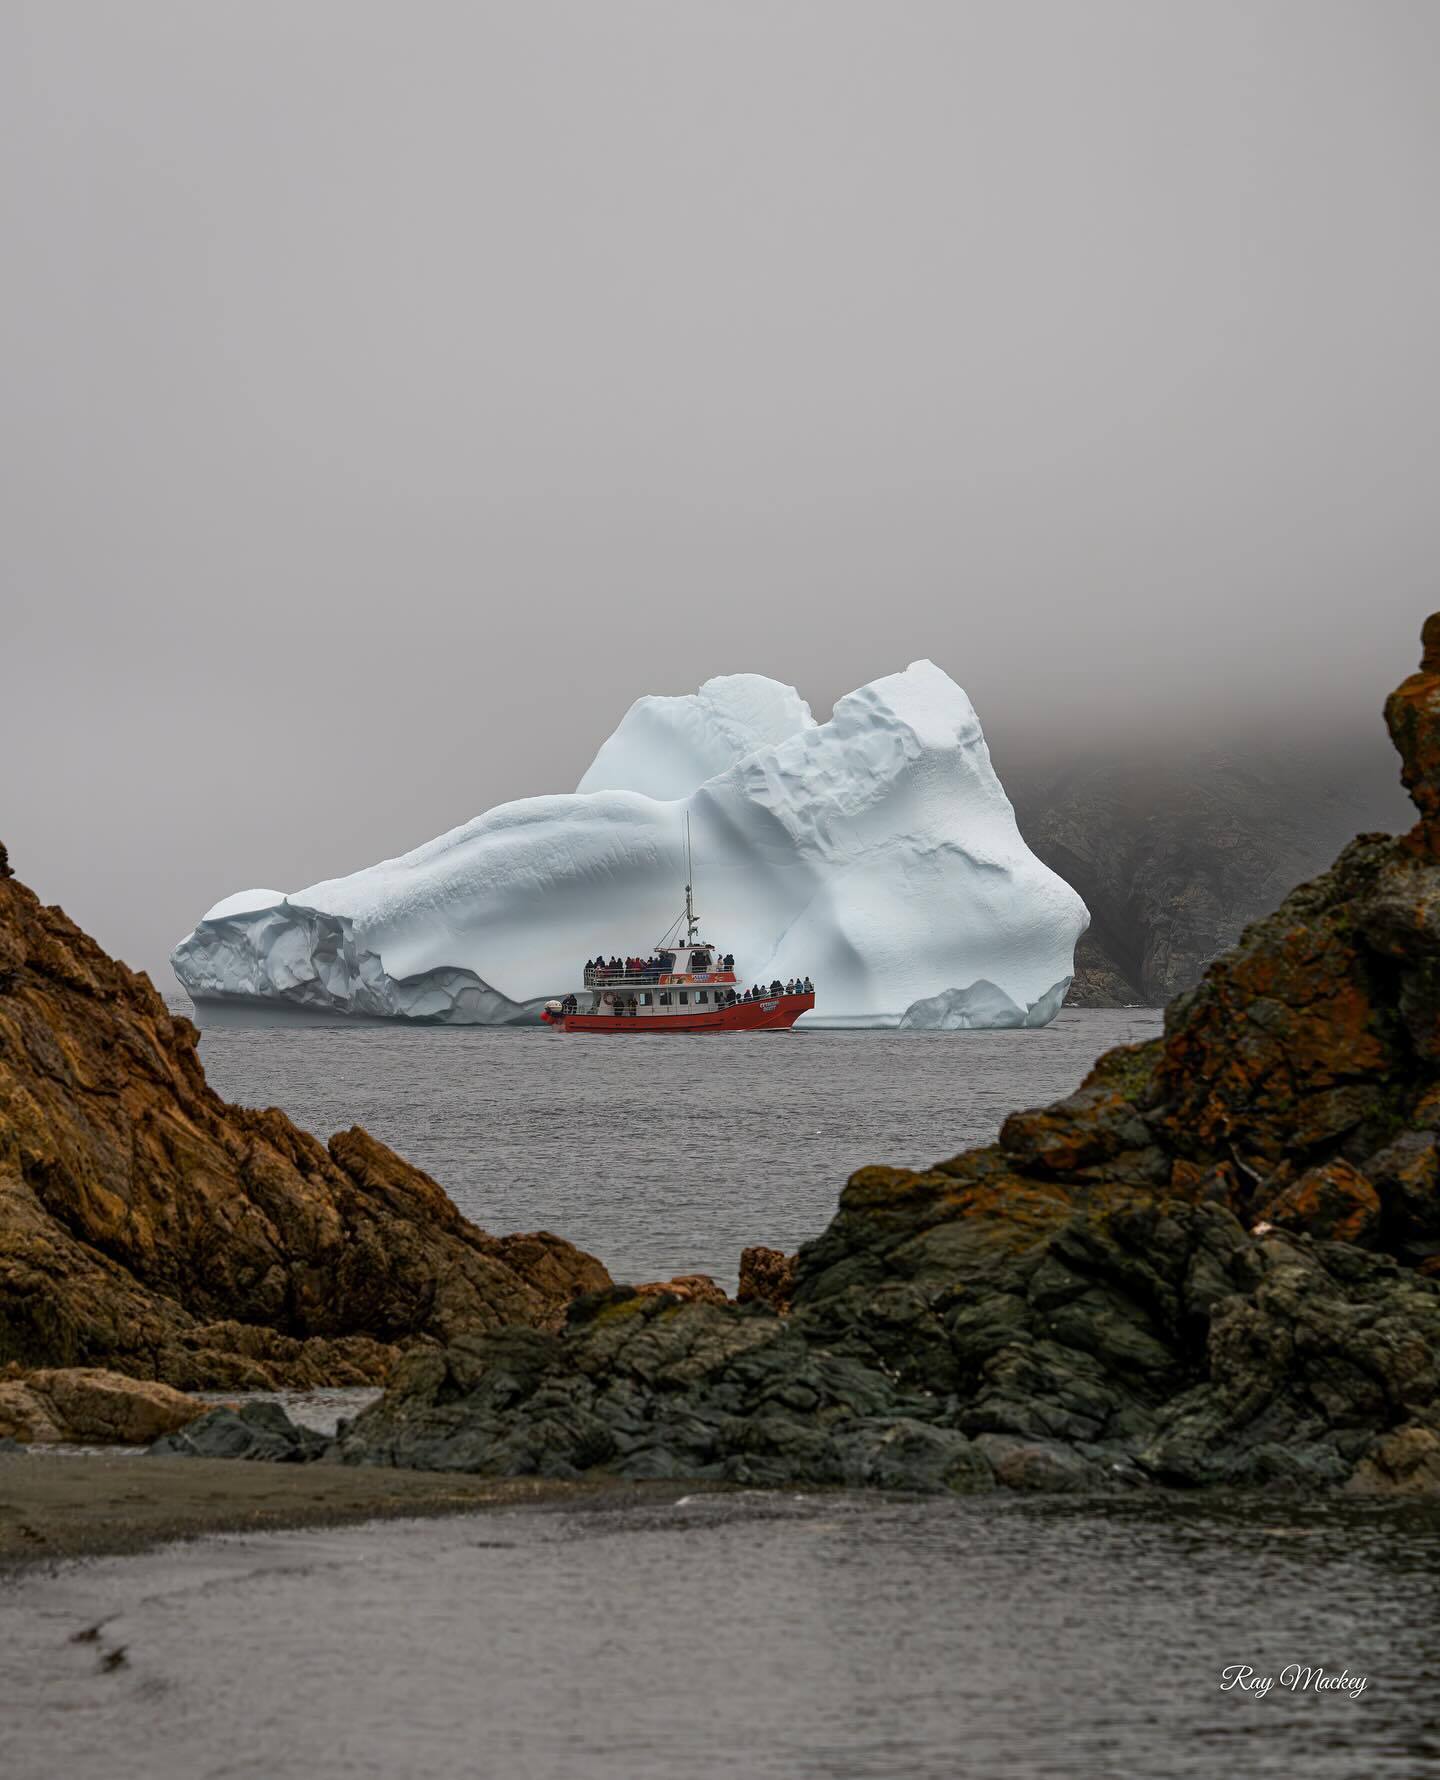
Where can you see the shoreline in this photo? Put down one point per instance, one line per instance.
(55, 1509)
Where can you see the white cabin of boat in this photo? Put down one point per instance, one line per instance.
(683, 979)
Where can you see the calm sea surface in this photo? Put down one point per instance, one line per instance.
(660, 1156)
(743, 1637)
(760, 1636)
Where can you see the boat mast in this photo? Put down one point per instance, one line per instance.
(691, 924)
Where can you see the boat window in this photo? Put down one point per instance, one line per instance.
(664, 998)
(702, 996)
(645, 999)
(684, 998)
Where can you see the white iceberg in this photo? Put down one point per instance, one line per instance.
(876, 853)
(982, 1007)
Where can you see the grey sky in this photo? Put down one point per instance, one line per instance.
(394, 392)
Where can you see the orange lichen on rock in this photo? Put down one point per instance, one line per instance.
(148, 1226)
(1412, 714)
(1334, 1203)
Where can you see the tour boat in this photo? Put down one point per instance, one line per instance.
(684, 986)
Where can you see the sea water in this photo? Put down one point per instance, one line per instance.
(661, 1155)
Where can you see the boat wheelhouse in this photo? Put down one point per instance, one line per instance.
(685, 985)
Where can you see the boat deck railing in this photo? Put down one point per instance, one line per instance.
(608, 979)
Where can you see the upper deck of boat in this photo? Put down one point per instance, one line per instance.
(687, 964)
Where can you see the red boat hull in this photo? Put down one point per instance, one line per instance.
(773, 1014)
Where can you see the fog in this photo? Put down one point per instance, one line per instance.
(394, 393)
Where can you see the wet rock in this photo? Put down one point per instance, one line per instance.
(253, 1431)
(1048, 1466)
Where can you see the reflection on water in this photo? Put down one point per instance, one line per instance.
(834, 1637)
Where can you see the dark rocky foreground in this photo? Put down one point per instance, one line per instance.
(1218, 1262)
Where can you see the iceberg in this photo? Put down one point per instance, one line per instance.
(876, 853)
(982, 1007)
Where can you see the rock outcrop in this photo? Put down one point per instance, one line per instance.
(768, 1275)
(688, 1288)
(148, 1227)
(91, 1407)
(1215, 1263)
(261, 1431)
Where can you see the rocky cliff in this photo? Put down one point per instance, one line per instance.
(148, 1227)
(1217, 1262)
(1176, 853)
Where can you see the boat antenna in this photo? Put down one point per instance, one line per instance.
(691, 924)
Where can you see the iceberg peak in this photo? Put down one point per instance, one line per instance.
(665, 747)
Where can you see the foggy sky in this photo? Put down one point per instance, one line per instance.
(392, 393)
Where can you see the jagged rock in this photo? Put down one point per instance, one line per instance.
(766, 1276)
(1335, 1203)
(1412, 715)
(150, 1228)
(253, 1431)
(81, 1404)
(1085, 1303)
